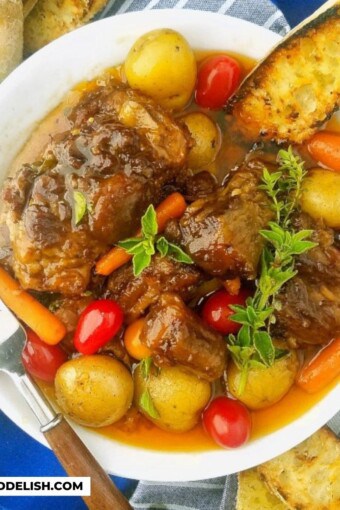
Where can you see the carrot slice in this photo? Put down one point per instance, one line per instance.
(322, 369)
(171, 208)
(46, 325)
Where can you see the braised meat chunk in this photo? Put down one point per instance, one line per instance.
(136, 294)
(91, 187)
(310, 302)
(176, 335)
(310, 312)
(221, 232)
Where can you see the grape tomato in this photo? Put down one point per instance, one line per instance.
(217, 80)
(216, 310)
(41, 359)
(227, 421)
(98, 324)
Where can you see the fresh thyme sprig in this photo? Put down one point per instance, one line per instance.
(253, 345)
(142, 248)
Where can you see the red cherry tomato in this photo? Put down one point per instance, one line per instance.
(98, 324)
(227, 421)
(217, 79)
(216, 310)
(40, 359)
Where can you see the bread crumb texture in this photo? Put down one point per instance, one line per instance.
(11, 35)
(52, 18)
(297, 88)
(253, 494)
(308, 476)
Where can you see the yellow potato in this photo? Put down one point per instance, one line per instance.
(206, 138)
(177, 396)
(264, 386)
(162, 65)
(320, 196)
(94, 390)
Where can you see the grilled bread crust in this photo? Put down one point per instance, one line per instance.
(297, 88)
(308, 476)
(11, 30)
(50, 19)
(253, 494)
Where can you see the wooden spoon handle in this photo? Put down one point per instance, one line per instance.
(78, 461)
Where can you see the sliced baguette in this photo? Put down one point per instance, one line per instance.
(252, 493)
(28, 6)
(297, 87)
(11, 35)
(308, 476)
(50, 19)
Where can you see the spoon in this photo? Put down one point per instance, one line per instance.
(67, 446)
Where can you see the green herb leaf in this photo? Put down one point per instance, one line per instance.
(244, 336)
(280, 353)
(162, 246)
(257, 365)
(132, 245)
(148, 246)
(147, 404)
(145, 367)
(173, 251)
(264, 347)
(139, 262)
(142, 248)
(80, 206)
(149, 222)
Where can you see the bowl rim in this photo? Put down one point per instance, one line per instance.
(122, 459)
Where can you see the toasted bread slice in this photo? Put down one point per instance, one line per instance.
(308, 476)
(297, 88)
(28, 6)
(11, 35)
(50, 19)
(252, 493)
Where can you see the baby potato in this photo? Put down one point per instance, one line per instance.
(177, 395)
(162, 65)
(320, 196)
(94, 390)
(264, 386)
(206, 138)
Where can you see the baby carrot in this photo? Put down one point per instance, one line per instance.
(172, 207)
(324, 146)
(46, 325)
(322, 369)
(114, 259)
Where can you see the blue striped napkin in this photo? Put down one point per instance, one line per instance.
(217, 493)
(262, 12)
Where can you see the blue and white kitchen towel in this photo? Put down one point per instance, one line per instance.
(217, 493)
(261, 12)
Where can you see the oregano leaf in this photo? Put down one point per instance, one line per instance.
(80, 206)
(149, 222)
(146, 403)
(264, 347)
(139, 262)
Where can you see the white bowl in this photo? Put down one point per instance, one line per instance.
(26, 96)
